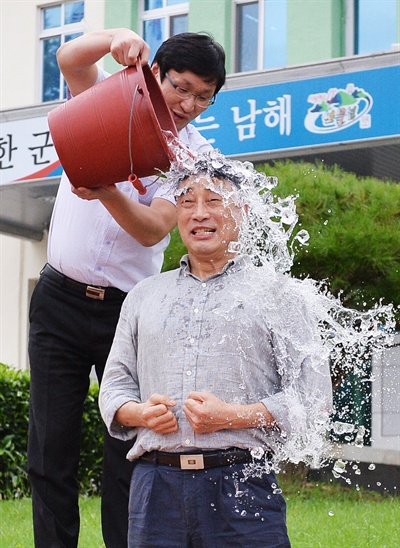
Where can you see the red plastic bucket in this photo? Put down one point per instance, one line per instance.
(114, 130)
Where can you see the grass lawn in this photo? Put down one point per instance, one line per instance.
(333, 516)
(16, 524)
(319, 516)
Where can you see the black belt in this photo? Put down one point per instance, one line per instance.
(91, 291)
(199, 461)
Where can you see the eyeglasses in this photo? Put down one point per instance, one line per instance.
(202, 102)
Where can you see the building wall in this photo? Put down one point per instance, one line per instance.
(314, 31)
(19, 49)
(215, 17)
(319, 22)
(22, 260)
(18, 54)
(385, 399)
(121, 14)
(315, 28)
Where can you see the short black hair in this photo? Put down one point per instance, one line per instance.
(196, 52)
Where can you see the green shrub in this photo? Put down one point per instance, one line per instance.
(354, 227)
(91, 463)
(14, 417)
(174, 251)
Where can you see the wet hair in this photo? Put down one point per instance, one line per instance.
(215, 165)
(196, 52)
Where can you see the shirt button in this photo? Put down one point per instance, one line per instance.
(188, 373)
(196, 310)
(187, 442)
(192, 341)
(204, 284)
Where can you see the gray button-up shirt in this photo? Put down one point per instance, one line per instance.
(245, 335)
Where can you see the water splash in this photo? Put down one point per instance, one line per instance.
(339, 468)
(269, 235)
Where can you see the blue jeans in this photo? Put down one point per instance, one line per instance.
(209, 508)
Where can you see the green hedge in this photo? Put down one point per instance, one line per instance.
(14, 417)
(354, 226)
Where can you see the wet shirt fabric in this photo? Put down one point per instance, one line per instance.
(244, 335)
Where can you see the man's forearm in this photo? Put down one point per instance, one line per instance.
(77, 59)
(156, 413)
(254, 415)
(129, 414)
(208, 413)
(147, 224)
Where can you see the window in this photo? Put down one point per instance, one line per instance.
(59, 23)
(162, 19)
(375, 25)
(370, 26)
(261, 31)
(247, 37)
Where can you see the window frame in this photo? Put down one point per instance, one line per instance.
(261, 30)
(235, 34)
(165, 12)
(351, 30)
(55, 32)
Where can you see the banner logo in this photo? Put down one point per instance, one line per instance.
(338, 109)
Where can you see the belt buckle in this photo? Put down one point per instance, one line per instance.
(95, 293)
(192, 462)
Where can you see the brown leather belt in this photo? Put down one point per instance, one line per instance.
(91, 291)
(199, 461)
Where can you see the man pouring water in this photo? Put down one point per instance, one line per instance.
(102, 241)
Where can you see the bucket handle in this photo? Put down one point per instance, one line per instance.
(137, 183)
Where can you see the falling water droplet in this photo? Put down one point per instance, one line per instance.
(339, 467)
(257, 452)
(233, 247)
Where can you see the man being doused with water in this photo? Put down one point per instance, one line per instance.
(215, 367)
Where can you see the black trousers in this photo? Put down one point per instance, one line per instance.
(69, 333)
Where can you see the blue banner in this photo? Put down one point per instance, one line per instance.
(318, 111)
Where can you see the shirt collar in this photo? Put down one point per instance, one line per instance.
(233, 265)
